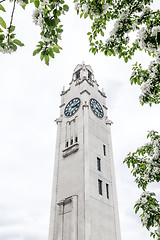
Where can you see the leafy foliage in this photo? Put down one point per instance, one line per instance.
(46, 15)
(150, 209)
(145, 163)
(128, 16)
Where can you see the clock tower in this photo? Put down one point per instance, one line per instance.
(84, 202)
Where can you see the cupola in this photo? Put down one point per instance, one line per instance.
(83, 72)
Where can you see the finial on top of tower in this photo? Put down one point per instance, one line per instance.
(83, 72)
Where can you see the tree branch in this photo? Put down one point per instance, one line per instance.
(2, 1)
(14, 4)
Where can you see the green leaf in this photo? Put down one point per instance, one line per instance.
(126, 59)
(2, 23)
(81, 14)
(55, 49)
(51, 53)
(17, 42)
(2, 8)
(85, 15)
(1, 30)
(47, 59)
(132, 81)
(102, 33)
(59, 30)
(42, 56)
(14, 47)
(11, 29)
(2, 37)
(23, 6)
(136, 209)
(36, 51)
(138, 81)
(36, 3)
(12, 36)
(66, 7)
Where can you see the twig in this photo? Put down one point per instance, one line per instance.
(14, 4)
(2, 1)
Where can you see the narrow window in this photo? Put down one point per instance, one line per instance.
(89, 75)
(76, 139)
(98, 164)
(104, 150)
(100, 186)
(107, 190)
(78, 74)
(71, 141)
(67, 144)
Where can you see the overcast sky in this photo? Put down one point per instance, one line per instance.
(29, 104)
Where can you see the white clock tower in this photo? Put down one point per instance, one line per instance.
(84, 202)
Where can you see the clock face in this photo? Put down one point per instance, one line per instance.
(72, 107)
(96, 108)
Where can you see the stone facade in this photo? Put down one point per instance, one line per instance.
(84, 202)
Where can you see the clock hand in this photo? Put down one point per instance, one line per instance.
(75, 105)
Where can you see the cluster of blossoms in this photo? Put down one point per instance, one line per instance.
(146, 168)
(121, 26)
(37, 16)
(146, 161)
(150, 210)
(38, 19)
(148, 38)
(47, 16)
(149, 80)
(90, 8)
(6, 49)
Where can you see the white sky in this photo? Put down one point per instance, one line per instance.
(29, 100)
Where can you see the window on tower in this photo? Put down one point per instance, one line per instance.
(100, 186)
(98, 164)
(76, 139)
(107, 190)
(66, 144)
(104, 150)
(89, 75)
(71, 142)
(78, 74)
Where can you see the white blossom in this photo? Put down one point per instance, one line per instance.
(46, 39)
(6, 49)
(77, 6)
(45, 2)
(38, 17)
(142, 34)
(145, 194)
(85, 8)
(106, 6)
(145, 218)
(141, 97)
(145, 87)
(20, 2)
(155, 30)
(152, 75)
(155, 170)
